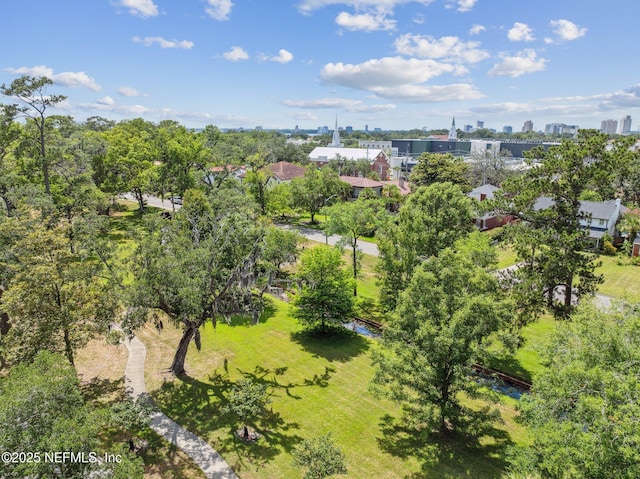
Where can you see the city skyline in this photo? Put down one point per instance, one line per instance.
(389, 64)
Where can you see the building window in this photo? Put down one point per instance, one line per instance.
(601, 222)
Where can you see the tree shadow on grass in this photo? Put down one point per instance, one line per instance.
(449, 455)
(106, 390)
(509, 365)
(246, 320)
(198, 405)
(333, 344)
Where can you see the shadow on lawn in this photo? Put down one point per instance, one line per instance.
(101, 389)
(333, 344)
(197, 406)
(446, 456)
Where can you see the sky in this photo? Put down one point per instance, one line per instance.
(389, 64)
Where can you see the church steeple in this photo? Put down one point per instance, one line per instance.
(453, 133)
(335, 143)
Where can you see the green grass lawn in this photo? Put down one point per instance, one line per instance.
(619, 280)
(526, 361)
(317, 385)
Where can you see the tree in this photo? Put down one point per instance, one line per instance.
(489, 166)
(127, 164)
(630, 225)
(200, 265)
(31, 92)
(325, 296)
(311, 191)
(56, 300)
(352, 220)
(584, 410)
(550, 241)
(440, 168)
(42, 409)
(440, 327)
(431, 219)
(320, 457)
(180, 152)
(247, 400)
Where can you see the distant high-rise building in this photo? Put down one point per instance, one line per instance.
(507, 129)
(453, 133)
(467, 128)
(366, 128)
(625, 125)
(609, 126)
(348, 129)
(528, 126)
(560, 128)
(479, 124)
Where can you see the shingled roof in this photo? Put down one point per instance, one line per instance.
(285, 171)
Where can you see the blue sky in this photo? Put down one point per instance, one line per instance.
(392, 64)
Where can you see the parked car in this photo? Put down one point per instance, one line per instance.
(176, 200)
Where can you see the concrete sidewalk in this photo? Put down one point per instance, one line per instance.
(213, 465)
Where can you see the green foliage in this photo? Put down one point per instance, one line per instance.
(325, 297)
(431, 219)
(440, 168)
(281, 246)
(56, 300)
(585, 408)
(42, 409)
(311, 192)
(550, 241)
(352, 220)
(320, 457)
(200, 265)
(247, 400)
(440, 327)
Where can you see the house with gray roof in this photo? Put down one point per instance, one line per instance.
(600, 217)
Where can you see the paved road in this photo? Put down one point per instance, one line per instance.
(211, 463)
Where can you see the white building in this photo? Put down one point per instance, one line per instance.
(625, 125)
(609, 126)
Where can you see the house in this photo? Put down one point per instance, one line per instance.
(283, 172)
(358, 184)
(401, 183)
(224, 171)
(600, 217)
(377, 158)
(490, 219)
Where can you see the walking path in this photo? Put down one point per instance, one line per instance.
(200, 451)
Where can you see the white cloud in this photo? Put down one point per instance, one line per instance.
(308, 6)
(346, 104)
(68, 79)
(107, 101)
(219, 9)
(284, 56)
(149, 41)
(139, 8)
(367, 22)
(466, 5)
(236, 54)
(429, 93)
(128, 91)
(567, 30)
(399, 79)
(519, 64)
(476, 29)
(520, 32)
(386, 71)
(302, 116)
(445, 48)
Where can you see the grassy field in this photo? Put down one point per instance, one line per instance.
(317, 385)
(619, 280)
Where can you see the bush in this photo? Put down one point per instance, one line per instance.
(608, 248)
